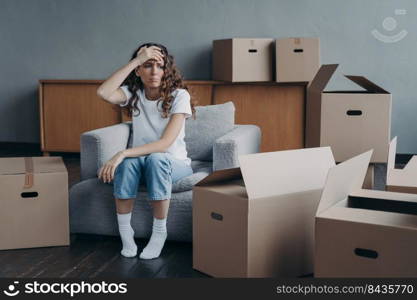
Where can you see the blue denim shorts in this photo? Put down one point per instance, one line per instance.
(159, 170)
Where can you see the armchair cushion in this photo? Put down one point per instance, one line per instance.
(99, 145)
(212, 122)
(201, 169)
(243, 139)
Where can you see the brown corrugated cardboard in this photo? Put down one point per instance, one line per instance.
(242, 59)
(297, 59)
(350, 122)
(364, 233)
(257, 220)
(401, 180)
(34, 202)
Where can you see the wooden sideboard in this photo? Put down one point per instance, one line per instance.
(70, 107)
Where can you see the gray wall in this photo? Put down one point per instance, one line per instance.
(90, 39)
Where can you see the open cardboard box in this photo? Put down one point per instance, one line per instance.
(364, 233)
(350, 122)
(34, 202)
(401, 180)
(258, 220)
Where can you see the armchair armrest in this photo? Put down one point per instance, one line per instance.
(243, 139)
(99, 145)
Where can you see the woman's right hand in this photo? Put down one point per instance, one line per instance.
(147, 53)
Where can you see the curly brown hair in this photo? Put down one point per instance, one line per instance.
(171, 80)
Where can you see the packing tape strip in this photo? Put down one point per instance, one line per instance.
(28, 173)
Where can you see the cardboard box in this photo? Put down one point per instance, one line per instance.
(257, 220)
(242, 60)
(364, 233)
(34, 202)
(350, 122)
(296, 59)
(401, 180)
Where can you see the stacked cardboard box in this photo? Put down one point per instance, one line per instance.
(242, 60)
(296, 59)
(252, 60)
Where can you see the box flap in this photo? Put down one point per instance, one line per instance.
(404, 197)
(285, 172)
(411, 166)
(322, 78)
(366, 84)
(16, 165)
(343, 179)
(368, 216)
(391, 154)
(221, 176)
(406, 177)
(402, 180)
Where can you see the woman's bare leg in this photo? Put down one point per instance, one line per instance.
(124, 206)
(160, 208)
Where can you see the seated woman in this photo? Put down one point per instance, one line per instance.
(151, 88)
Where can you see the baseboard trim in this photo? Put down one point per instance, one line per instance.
(13, 149)
(19, 149)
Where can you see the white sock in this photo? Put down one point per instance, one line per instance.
(127, 235)
(158, 237)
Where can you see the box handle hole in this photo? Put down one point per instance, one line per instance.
(217, 216)
(253, 50)
(354, 112)
(366, 253)
(298, 50)
(29, 194)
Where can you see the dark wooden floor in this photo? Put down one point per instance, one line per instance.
(91, 256)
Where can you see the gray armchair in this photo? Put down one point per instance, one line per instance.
(213, 143)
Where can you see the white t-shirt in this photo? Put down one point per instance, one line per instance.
(149, 125)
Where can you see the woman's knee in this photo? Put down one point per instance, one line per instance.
(127, 171)
(126, 179)
(158, 159)
(129, 163)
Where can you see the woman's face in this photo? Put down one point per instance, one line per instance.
(151, 73)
